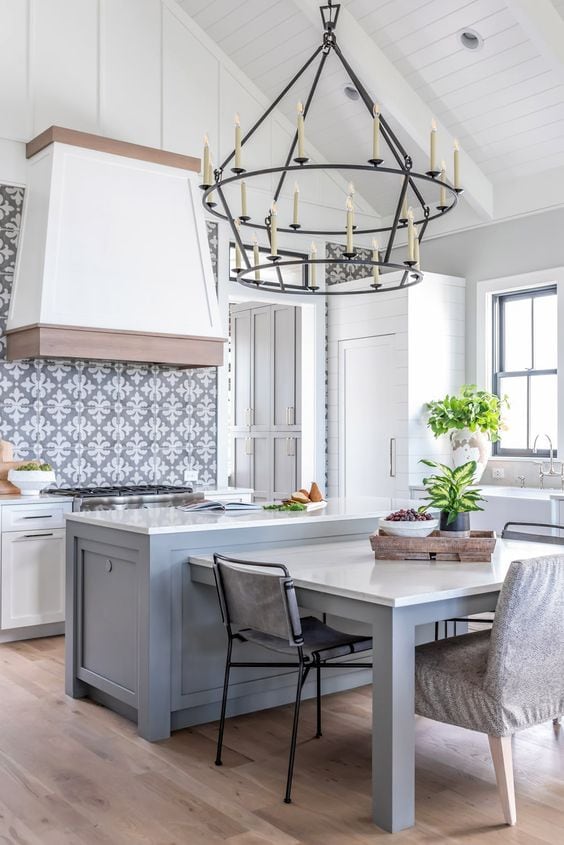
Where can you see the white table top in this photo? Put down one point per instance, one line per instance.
(175, 521)
(348, 569)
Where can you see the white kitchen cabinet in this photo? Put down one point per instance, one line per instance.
(376, 402)
(33, 577)
(368, 421)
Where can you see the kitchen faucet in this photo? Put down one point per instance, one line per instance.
(551, 470)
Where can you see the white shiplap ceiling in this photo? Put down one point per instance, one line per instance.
(504, 102)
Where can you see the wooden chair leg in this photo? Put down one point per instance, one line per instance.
(502, 756)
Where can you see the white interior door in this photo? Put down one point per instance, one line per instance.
(366, 417)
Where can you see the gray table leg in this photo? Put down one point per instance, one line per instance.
(393, 720)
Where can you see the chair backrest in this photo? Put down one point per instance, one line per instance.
(509, 532)
(526, 656)
(254, 595)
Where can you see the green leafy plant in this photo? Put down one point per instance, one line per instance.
(35, 466)
(285, 506)
(472, 408)
(449, 491)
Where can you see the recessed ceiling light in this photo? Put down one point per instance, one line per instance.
(470, 39)
(351, 92)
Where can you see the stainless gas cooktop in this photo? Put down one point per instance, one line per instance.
(120, 497)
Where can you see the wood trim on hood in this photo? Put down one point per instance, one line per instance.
(109, 145)
(46, 341)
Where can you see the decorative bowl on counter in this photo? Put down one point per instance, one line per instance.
(30, 482)
(406, 528)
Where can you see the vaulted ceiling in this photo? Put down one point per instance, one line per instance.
(504, 102)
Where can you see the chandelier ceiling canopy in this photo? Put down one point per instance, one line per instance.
(420, 197)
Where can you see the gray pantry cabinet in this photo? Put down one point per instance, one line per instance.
(266, 399)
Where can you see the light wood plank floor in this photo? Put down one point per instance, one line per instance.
(73, 772)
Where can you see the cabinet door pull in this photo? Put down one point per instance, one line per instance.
(290, 415)
(290, 446)
(33, 536)
(39, 516)
(392, 457)
(249, 450)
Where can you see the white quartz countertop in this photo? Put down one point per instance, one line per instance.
(348, 568)
(19, 499)
(173, 520)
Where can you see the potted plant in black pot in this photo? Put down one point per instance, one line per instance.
(450, 493)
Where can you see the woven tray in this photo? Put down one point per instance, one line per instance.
(478, 547)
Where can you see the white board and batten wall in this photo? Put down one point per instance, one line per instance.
(388, 354)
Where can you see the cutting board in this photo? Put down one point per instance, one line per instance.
(6, 464)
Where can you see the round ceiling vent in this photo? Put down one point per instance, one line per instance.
(470, 39)
(351, 92)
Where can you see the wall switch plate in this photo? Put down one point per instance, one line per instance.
(498, 472)
(190, 475)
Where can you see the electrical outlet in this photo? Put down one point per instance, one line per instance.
(190, 475)
(497, 473)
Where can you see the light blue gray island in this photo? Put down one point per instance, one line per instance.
(144, 633)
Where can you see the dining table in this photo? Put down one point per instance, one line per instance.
(397, 599)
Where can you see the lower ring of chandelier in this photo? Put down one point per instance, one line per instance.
(429, 210)
(410, 276)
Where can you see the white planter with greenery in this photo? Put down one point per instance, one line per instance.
(473, 422)
(32, 478)
(468, 445)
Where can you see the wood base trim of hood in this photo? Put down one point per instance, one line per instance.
(46, 341)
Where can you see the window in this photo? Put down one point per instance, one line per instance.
(525, 362)
(294, 277)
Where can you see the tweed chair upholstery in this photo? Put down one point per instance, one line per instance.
(512, 677)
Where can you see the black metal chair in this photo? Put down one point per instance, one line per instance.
(262, 606)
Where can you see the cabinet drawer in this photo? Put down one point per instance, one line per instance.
(24, 517)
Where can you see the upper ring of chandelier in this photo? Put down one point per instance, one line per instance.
(382, 274)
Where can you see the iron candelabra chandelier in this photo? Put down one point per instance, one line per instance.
(382, 274)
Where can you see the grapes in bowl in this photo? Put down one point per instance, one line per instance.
(408, 522)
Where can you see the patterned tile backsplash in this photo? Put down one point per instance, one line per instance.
(103, 423)
(339, 273)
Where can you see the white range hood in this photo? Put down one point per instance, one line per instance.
(113, 260)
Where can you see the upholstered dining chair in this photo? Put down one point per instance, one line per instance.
(511, 531)
(502, 681)
(259, 605)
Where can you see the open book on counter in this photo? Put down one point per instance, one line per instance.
(208, 505)
(237, 507)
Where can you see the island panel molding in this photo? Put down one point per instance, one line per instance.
(103, 422)
(109, 145)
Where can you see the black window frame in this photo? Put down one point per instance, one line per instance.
(283, 253)
(498, 346)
